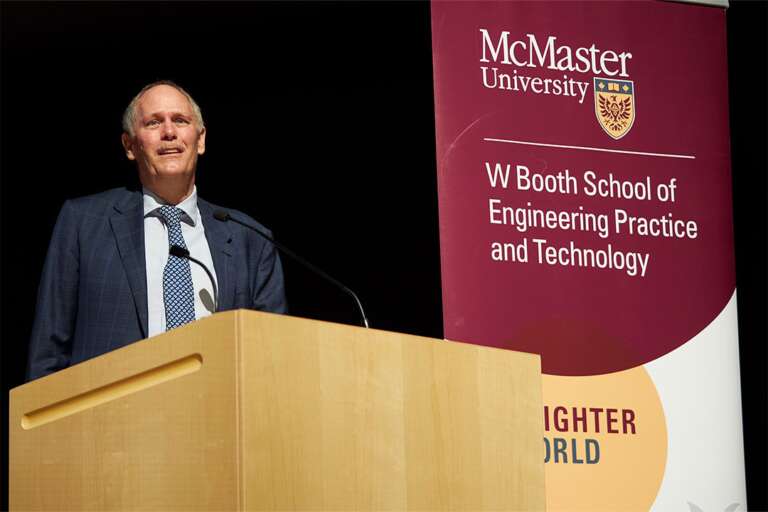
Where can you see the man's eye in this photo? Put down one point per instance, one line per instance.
(153, 122)
(181, 120)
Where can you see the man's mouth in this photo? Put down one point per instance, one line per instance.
(170, 151)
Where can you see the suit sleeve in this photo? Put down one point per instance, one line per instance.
(269, 289)
(50, 346)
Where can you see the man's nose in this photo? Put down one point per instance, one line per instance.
(169, 130)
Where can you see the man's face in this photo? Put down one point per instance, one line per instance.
(166, 138)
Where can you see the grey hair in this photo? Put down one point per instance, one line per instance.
(129, 116)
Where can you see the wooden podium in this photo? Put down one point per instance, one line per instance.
(253, 411)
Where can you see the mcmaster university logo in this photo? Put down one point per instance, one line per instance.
(615, 105)
(512, 62)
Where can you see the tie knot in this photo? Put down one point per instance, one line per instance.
(170, 214)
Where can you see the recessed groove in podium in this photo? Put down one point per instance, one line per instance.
(112, 391)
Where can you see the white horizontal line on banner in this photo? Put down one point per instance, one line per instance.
(587, 148)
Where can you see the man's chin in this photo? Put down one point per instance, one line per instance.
(173, 171)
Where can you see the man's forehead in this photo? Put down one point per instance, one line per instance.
(163, 98)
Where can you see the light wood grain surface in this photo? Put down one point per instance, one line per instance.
(252, 411)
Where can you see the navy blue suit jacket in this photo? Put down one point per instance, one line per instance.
(93, 290)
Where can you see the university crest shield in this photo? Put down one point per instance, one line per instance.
(615, 105)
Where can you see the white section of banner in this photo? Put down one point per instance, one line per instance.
(699, 387)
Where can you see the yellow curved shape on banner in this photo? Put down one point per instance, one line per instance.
(605, 441)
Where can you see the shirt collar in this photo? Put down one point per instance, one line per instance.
(188, 205)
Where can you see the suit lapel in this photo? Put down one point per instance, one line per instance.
(219, 239)
(128, 227)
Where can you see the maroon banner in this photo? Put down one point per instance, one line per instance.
(585, 215)
(526, 159)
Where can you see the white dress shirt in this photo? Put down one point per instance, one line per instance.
(156, 255)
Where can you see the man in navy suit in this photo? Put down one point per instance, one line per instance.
(109, 280)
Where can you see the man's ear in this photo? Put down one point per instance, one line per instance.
(128, 146)
(201, 142)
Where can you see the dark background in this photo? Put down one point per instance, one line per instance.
(320, 124)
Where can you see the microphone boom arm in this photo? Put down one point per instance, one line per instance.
(180, 252)
(225, 216)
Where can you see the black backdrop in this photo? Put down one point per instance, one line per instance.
(320, 124)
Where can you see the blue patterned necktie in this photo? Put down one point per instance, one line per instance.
(178, 292)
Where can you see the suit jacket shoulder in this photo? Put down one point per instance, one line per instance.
(104, 203)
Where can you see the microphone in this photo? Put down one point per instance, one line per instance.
(224, 216)
(181, 252)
